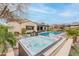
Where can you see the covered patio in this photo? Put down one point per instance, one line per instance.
(42, 27)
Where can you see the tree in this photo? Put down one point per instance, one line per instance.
(73, 33)
(6, 38)
(12, 9)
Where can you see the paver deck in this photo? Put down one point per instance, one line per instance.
(10, 51)
(64, 51)
(52, 49)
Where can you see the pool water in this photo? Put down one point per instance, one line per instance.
(49, 33)
(35, 45)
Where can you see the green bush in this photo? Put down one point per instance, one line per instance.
(6, 38)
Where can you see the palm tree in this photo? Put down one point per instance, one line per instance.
(6, 38)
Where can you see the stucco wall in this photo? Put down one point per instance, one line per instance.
(23, 25)
(74, 26)
(15, 26)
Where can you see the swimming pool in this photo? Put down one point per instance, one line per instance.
(49, 33)
(36, 44)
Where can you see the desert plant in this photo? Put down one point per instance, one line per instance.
(6, 38)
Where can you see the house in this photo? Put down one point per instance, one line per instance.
(71, 26)
(14, 27)
(56, 27)
(29, 26)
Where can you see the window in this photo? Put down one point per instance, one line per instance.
(29, 27)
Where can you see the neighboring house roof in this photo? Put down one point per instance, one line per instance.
(42, 24)
(71, 25)
(18, 19)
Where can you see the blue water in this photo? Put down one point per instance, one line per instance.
(36, 44)
(48, 33)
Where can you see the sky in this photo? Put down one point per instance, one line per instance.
(51, 13)
(54, 13)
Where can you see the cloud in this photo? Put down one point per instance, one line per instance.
(38, 10)
(41, 8)
(65, 14)
(70, 11)
(68, 14)
(49, 14)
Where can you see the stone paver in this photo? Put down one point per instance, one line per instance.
(64, 51)
(10, 51)
(16, 51)
(52, 49)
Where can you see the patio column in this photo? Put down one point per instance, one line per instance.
(46, 28)
(39, 28)
(43, 28)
